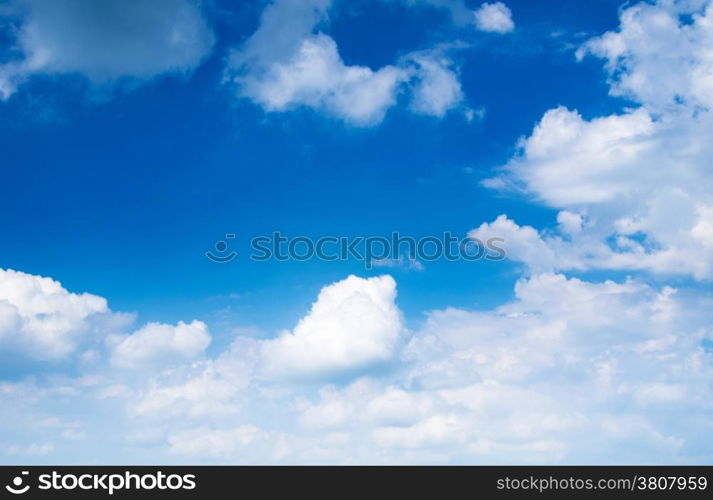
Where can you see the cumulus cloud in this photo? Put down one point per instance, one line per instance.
(568, 371)
(156, 344)
(287, 65)
(365, 401)
(211, 387)
(495, 17)
(436, 89)
(317, 77)
(569, 161)
(522, 244)
(353, 323)
(105, 40)
(537, 378)
(570, 223)
(660, 56)
(641, 177)
(41, 319)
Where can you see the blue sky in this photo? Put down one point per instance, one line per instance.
(134, 137)
(142, 183)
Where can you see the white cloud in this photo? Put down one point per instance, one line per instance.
(568, 161)
(317, 77)
(495, 17)
(436, 89)
(353, 323)
(642, 176)
(570, 223)
(366, 401)
(522, 244)
(563, 373)
(568, 371)
(157, 344)
(208, 388)
(105, 40)
(207, 392)
(286, 65)
(40, 318)
(658, 57)
(556, 375)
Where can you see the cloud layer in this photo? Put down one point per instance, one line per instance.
(569, 370)
(353, 323)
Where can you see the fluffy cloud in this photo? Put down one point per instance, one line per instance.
(495, 17)
(43, 320)
(317, 77)
(157, 344)
(436, 89)
(522, 244)
(536, 379)
(283, 69)
(660, 56)
(353, 323)
(640, 179)
(105, 40)
(568, 371)
(570, 162)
